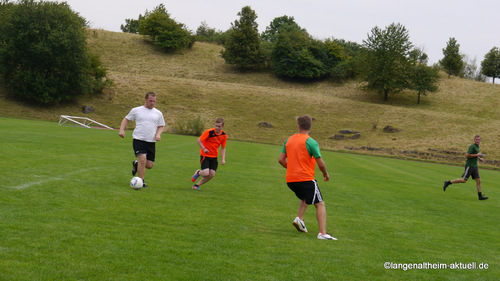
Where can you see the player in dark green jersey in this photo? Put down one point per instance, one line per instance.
(471, 168)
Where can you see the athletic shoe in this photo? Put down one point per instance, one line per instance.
(483, 198)
(196, 187)
(299, 225)
(134, 167)
(446, 183)
(326, 236)
(195, 176)
(144, 185)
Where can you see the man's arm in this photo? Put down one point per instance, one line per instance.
(322, 167)
(223, 155)
(158, 133)
(282, 160)
(200, 143)
(123, 126)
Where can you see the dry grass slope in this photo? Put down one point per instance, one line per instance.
(196, 82)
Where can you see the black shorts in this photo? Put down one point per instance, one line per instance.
(209, 163)
(144, 147)
(471, 171)
(306, 190)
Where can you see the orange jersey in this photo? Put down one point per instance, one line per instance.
(300, 150)
(212, 141)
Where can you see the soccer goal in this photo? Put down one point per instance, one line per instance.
(81, 121)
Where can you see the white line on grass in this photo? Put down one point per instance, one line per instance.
(61, 177)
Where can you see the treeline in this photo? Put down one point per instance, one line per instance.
(387, 61)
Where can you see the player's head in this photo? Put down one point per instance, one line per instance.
(150, 100)
(304, 122)
(477, 139)
(219, 124)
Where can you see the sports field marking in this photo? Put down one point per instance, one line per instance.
(49, 179)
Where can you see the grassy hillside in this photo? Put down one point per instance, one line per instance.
(196, 83)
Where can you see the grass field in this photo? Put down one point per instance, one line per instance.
(67, 213)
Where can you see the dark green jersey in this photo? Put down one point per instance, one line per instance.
(473, 149)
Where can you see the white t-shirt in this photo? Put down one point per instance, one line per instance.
(147, 122)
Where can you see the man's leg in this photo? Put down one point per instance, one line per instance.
(206, 175)
(321, 216)
(141, 165)
(478, 184)
(302, 209)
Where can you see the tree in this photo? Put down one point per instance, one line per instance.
(165, 32)
(206, 34)
(295, 54)
(387, 62)
(471, 71)
(43, 52)
(131, 25)
(279, 24)
(423, 79)
(452, 62)
(490, 66)
(243, 45)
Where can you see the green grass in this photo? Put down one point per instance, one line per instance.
(67, 213)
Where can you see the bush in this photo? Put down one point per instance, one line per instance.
(43, 52)
(192, 127)
(165, 32)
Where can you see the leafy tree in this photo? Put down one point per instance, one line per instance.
(243, 45)
(206, 34)
(43, 53)
(165, 32)
(423, 79)
(490, 66)
(350, 65)
(419, 56)
(295, 54)
(131, 25)
(452, 62)
(283, 24)
(387, 62)
(471, 71)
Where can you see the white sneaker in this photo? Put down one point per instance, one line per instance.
(299, 225)
(326, 236)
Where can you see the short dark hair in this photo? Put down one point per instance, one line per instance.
(304, 122)
(220, 120)
(477, 136)
(149, 94)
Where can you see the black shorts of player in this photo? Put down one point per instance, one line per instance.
(209, 163)
(144, 147)
(471, 171)
(306, 190)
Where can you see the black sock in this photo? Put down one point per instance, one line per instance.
(479, 194)
(449, 182)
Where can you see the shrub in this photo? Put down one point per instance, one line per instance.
(191, 127)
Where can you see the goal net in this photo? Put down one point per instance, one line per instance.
(81, 121)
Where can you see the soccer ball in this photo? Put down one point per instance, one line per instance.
(136, 183)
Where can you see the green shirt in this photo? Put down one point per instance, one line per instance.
(473, 149)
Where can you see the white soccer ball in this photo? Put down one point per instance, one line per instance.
(136, 183)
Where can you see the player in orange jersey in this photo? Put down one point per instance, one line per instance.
(299, 156)
(209, 143)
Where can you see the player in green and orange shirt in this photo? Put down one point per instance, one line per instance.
(209, 143)
(299, 156)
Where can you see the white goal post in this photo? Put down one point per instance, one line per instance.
(82, 121)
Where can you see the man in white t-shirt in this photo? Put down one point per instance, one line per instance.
(149, 124)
